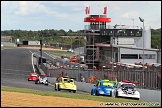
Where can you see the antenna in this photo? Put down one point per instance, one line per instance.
(133, 22)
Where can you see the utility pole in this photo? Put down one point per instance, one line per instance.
(133, 23)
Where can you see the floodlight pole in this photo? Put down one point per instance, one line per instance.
(142, 20)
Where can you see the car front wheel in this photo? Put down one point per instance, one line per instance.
(116, 94)
(92, 93)
(111, 93)
(36, 82)
(55, 87)
(97, 93)
(136, 98)
(58, 88)
(46, 83)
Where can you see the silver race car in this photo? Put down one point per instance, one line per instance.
(42, 79)
(127, 90)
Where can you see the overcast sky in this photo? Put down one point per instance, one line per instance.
(41, 15)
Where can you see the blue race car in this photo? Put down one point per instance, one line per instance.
(103, 87)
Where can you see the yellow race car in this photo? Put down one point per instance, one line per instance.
(65, 83)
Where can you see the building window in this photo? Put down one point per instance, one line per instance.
(129, 56)
(141, 56)
(147, 56)
(151, 56)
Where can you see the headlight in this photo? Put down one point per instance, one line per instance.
(101, 92)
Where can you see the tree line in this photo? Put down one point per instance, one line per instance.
(52, 36)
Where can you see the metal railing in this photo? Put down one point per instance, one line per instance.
(98, 27)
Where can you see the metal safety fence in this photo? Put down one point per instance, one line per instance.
(146, 79)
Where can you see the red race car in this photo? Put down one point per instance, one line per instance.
(73, 59)
(32, 77)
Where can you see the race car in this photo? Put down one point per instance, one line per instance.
(65, 83)
(70, 50)
(74, 59)
(103, 87)
(32, 77)
(126, 90)
(42, 79)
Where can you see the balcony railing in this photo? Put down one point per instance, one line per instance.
(98, 27)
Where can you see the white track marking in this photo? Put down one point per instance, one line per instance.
(30, 51)
(50, 55)
(32, 61)
(14, 70)
(14, 74)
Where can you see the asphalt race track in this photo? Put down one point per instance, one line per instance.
(16, 65)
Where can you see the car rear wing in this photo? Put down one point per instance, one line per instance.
(133, 82)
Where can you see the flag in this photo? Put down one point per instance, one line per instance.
(87, 11)
(105, 10)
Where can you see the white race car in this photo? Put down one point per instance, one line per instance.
(42, 79)
(127, 90)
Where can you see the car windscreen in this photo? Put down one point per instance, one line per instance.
(33, 74)
(42, 77)
(68, 80)
(65, 80)
(130, 86)
(106, 83)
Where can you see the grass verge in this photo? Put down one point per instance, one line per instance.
(7, 47)
(67, 95)
(75, 96)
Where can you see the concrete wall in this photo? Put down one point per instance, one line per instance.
(8, 44)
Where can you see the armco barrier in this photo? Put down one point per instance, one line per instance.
(146, 95)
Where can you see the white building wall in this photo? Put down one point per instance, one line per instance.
(159, 57)
(137, 51)
(147, 38)
(125, 41)
(138, 42)
(135, 41)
